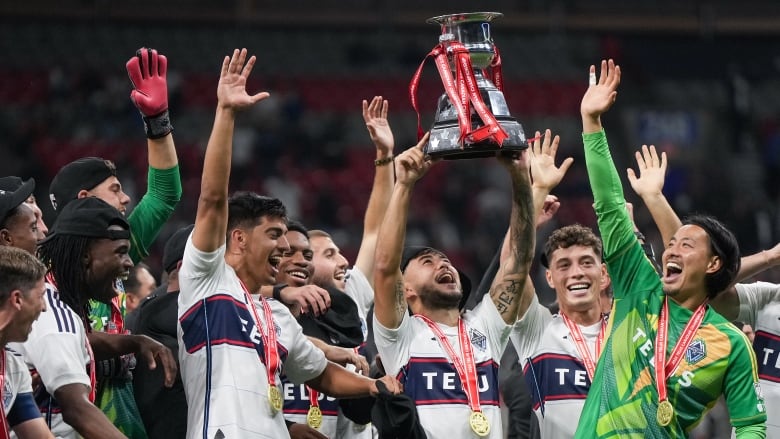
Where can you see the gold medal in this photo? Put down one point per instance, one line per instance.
(275, 398)
(665, 413)
(479, 424)
(314, 417)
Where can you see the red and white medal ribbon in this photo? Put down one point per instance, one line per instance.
(268, 334)
(582, 347)
(663, 369)
(466, 366)
(5, 429)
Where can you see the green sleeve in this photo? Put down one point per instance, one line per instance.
(163, 192)
(628, 266)
(741, 388)
(751, 432)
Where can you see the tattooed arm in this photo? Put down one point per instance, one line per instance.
(389, 301)
(510, 281)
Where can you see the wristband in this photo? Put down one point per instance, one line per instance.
(384, 161)
(277, 294)
(158, 126)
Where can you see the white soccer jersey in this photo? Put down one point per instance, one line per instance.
(296, 407)
(412, 353)
(554, 371)
(57, 350)
(221, 352)
(18, 403)
(360, 290)
(759, 306)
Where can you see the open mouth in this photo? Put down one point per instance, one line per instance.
(445, 277)
(299, 274)
(673, 270)
(579, 288)
(274, 261)
(340, 276)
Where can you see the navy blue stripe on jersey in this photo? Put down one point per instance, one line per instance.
(767, 347)
(430, 381)
(555, 377)
(296, 400)
(207, 393)
(221, 319)
(61, 311)
(24, 409)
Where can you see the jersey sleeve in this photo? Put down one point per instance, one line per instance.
(741, 387)
(528, 330)
(200, 273)
(359, 289)
(626, 261)
(392, 343)
(56, 351)
(163, 192)
(754, 297)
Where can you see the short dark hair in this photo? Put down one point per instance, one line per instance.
(297, 226)
(246, 210)
(724, 245)
(19, 270)
(567, 236)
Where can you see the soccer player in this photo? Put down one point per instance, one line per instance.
(447, 363)
(234, 343)
(757, 304)
(86, 251)
(18, 223)
(21, 302)
(668, 356)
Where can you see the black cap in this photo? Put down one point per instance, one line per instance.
(174, 248)
(395, 416)
(13, 192)
(413, 252)
(82, 174)
(89, 217)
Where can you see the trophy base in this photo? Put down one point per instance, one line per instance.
(444, 141)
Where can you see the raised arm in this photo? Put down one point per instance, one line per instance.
(506, 291)
(148, 73)
(546, 176)
(375, 116)
(649, 186)
(211, 218)
(389, 302)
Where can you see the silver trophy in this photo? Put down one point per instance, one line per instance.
(447, 139)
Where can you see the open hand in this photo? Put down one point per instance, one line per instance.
(231, 91)
(375, 116)
(601, 93)
(544, 173)
(652, 172)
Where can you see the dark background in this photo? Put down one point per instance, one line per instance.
(700, 81)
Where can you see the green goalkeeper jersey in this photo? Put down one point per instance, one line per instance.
(623, 398)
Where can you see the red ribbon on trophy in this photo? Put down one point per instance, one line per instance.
(462, 92)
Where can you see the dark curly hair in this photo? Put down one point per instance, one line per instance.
(567, 236)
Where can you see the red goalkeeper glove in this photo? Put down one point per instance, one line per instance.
(147, 70)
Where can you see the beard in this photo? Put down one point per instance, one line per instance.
(432, 298)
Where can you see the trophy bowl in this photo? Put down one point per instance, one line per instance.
(472, 30)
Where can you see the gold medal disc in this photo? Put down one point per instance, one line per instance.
(479, 424)
(314, 417)
(275, 398)
(665, 413)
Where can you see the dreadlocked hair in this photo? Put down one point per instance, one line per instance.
(63, 254)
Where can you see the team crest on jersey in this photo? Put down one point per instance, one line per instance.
(278, 329)
(478, 339)
(696, 351)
